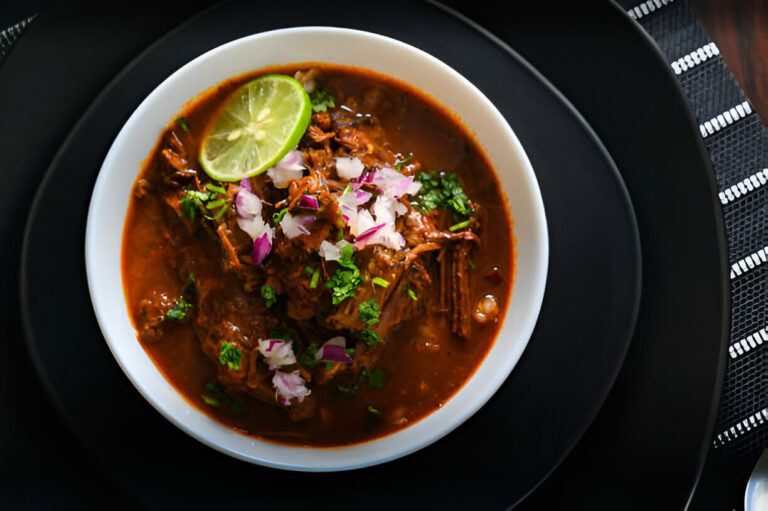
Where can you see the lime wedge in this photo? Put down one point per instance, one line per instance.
(256, 127)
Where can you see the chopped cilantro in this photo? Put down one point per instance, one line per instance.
(399, 165)
(315, 279)
(210, 400)
(411, 294)
(277, 216)
(216, 188)
(370, 337)
(308, 271)
(345, 281)
(280, 333)
(380, 282)
(183, 123)
(321, 100)
(230, 356)
(375, 378)
(443, 191)
(215, 203)
(460, 225)
(369, 312)
(350, 352)
(188, 295)
(472, 265)
(373, 419)
(307, 358)
(195, 201)
(269, 295)
(223, 398)
(341, 225)
(179, 310)
(351, 389)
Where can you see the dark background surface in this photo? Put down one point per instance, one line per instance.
(51, 468)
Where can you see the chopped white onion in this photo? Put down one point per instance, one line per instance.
(294, 225)
(289, 386)
(349, 168)
(290, 168)
(330, 251)
(277, 352)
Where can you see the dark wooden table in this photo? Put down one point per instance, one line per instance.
(740, 30)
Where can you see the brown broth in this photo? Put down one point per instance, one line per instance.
(424, 363)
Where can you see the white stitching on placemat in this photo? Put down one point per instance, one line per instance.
(751, 261)
(694, 58)
(645, 8)
(743, 187)
(741, 427)
(748, 343)
(724, 119)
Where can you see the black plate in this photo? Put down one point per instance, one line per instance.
(503, 451)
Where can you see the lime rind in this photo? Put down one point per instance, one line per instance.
(255, 128)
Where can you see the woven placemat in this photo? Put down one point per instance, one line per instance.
(735, 139)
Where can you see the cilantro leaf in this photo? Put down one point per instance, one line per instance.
(269, 294)
(351, 389)
(188, 295)
(230, 356)
(399, 165)
(321, 99)
(443, 191)
(375, 378)
(347, 279)
(370, 337)
(308, 359)
(277, 216)
(369, 312)
(373, 419)
(183, 123)
(179, 310)
(222, 397)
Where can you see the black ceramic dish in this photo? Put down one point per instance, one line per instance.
(503, 451)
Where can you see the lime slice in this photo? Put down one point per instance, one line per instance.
(256, 127)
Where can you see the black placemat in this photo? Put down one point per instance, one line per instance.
(734, 136)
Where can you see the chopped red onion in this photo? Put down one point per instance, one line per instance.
(393, 183)
(245, 183)
(261, 247)
(368, 233)
(362, 197)
(277, 352)
(289, 386)
(294, 160)
(295, 225)
(248, 204)
(308, 202)
(333, 351)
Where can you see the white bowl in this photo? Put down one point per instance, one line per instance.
(112, 192)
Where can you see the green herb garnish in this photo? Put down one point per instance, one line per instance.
(380, 282)
(195, 201)
(210, 400)
(179, 310)
(351, 390)
(223, 398)
(230, 356)
(369, 312)
(183, 123)
(373, 419)
(307, 358)
(340, 225)
(216, 188)
(411, 294)
(472, 265)
(460, 225)
(399, 165)
(370, 337)
(443, 191)
(277, 216)
(345, 281)
(315, 279)
(269, 295)
(188, 296)
(321, 99)
(375, 378)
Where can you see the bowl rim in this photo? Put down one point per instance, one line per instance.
(338, 463)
